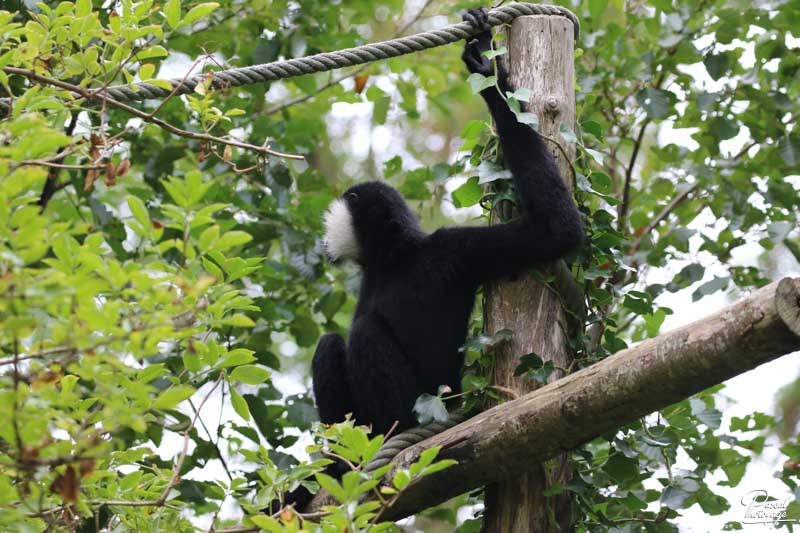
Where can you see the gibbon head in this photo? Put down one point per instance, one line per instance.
(369, 222)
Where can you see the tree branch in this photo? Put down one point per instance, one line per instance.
(51, 185)
(500, 442)
(92, 95)
(626, 191)
(669, 208)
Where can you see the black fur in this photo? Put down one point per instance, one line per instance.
(418, 289)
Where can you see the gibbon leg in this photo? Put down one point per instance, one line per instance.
(331, 389)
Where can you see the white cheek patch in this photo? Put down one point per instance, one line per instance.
(340, 235)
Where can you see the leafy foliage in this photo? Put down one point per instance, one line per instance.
(155, 285)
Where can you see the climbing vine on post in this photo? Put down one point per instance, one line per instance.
(540, 59)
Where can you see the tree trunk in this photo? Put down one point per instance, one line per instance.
(540, 57)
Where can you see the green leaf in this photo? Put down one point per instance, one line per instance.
(472, 133)
(231, 239)
(708, 416)
(239, 356)
(528, 118)
(267, 522)
(471, 382)
(527, 362)
(479, 82)
(522, 95)
(593, 128)
(567, 133)
(789, 148)
(638, 305)
(239, 404)
(621, 468)
(152, 52)
(250, 374)
(392, 166)
(304, 329)
(734, 465)
(173, 396)
(191, 361)
(717, 65)
(425, 458)
(381, 109)
(208, 237)
(594, 154)
(723, 128)
(331, 302)
(199, 11)
(674, 497)
(429, 408)
(401, 479)
(710, 287)
(332, 486)
(491, 54)
(656, 102)
(83, 8)
(468, 194)
(172, 10)
(487, 342)
(489, 171)
(706, 100)
(139, 212)
(239, 321)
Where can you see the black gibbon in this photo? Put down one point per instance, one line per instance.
(418, 289)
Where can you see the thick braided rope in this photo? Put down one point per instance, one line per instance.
(331, 60)
(407, 438)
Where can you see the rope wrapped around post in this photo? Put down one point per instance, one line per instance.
(325, 61)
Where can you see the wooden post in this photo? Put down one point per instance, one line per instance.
(540, 58)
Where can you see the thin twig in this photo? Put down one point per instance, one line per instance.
(626, 190)
(57, 350)
(668, 209)
(91, 95)
(179, 85)
(125, 503)
(176, 469)
(51, 186)
(233, 166)
(300, 99)
(337, 456)
(566, 158)
(211, 440)
(64, 166)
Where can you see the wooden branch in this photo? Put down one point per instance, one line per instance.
(500, 442)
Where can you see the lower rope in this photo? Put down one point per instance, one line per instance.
(325, 61)
(403, 440)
